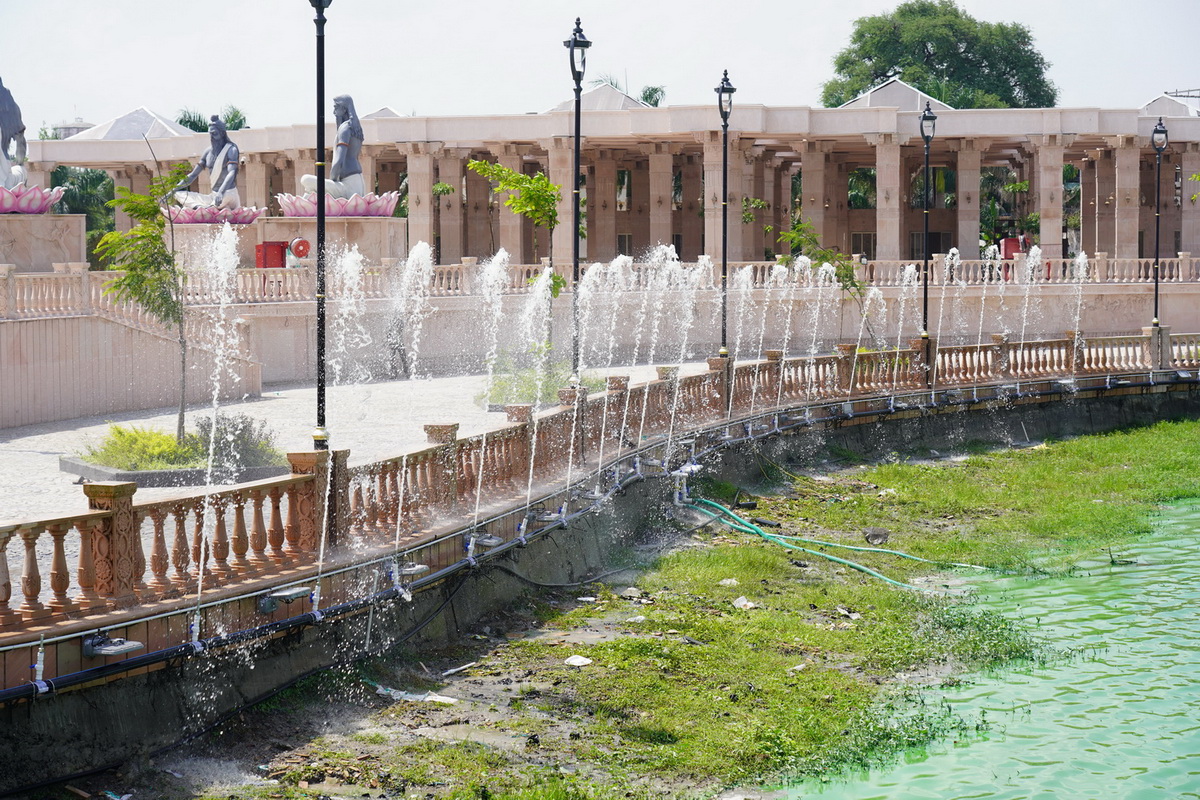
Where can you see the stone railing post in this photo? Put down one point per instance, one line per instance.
(1156, 348)
(723, 366)
(576, 398)
(924, 359)
(616, 387)
(845, 367)
(1001, 362)
(446, 436)
(115, 541)
(8, 291)
(522, 414)
(1100, 268)
(80, 270)
(310, 497)
(1077, 344)
(772, 372)
(1185, 267)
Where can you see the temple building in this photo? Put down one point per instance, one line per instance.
(653, 175)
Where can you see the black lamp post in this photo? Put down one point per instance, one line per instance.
(724, 92)
(577, 46)
(1158, 139)
(320, 434)
(928, 124)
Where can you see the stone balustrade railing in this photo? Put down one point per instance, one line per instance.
(122, 553)
(72, 289)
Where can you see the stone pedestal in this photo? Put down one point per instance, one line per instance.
(377, 237)
(193, 243)
(35, 242)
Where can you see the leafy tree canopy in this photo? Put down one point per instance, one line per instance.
(232, 116)
(936, 47)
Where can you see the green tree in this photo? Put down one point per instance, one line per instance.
(146, 254)
(938, 48)
(650, 95)
(532, 196)
(88, 192)
(232, 116)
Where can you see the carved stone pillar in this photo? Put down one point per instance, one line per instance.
(713, 160)
(451, 234)
(691, 223)
(116, 542)
(968, 168)
(1049, 197)
(481, 236)
(889, 201)
(1190, 210)
(1127, 201)
(511, 226)
(421, 209)
(602, 210)
(661, 176)
(562, 166)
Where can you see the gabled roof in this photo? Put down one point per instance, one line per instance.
(895, 93)
(387, 112)
(134, 125)
(1167, 106)
(604, 97)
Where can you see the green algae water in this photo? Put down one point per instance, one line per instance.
(1120, 720)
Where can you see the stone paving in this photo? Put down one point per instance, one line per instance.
(374, 421)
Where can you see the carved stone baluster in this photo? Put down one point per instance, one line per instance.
(370, 504)
(159, 563)
(31, 578)
(358, 514)
(241, 541)
(220, 542)
(7, 615)
(258, 533)
(275, 532)
(85, 574)
(60, 576)
(292, 531)
(139, 556)
(180, 554)
(200, 548)
(393, 500)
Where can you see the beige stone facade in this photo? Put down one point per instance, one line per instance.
(634, 156)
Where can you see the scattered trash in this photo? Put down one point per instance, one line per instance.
(173, 773)
(743, 603)
(115, 796)
(845, 612)
(577, 661)
(886, 492)
(457, 670)
(586, 599)
(728, 582)
(632, 593)
(638, 618)
(798, 667)
(414, 697)
(672, 630)
(766, 523)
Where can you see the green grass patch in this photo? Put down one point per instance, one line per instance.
(239, 440)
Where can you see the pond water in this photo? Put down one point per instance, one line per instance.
(1119, 721)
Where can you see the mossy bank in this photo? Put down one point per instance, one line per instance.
(730, 660)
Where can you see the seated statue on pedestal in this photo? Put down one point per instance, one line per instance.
(345, 176)
(221, 159)
(12, 129)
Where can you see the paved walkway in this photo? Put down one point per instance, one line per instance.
(374, 421)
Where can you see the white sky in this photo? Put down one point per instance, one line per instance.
(98, 59)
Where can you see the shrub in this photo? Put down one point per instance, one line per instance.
(239, 441)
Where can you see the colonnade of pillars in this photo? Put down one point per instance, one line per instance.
(673, 194)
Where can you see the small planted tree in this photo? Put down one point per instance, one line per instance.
(531, 196)
(146, 254)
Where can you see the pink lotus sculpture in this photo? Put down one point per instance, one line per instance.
(212, 214)
(22, 199)
(369, 205)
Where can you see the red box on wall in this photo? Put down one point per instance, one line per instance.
(270, 255)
